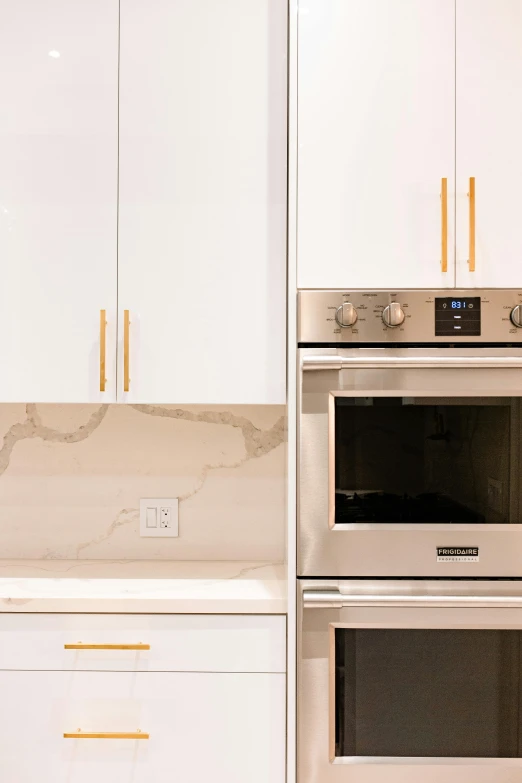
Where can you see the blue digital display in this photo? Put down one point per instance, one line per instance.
(457, 317)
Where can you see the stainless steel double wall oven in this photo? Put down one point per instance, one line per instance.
(410, 536)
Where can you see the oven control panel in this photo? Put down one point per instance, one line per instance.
(473, 316)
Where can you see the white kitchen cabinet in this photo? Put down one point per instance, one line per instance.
(202, 211)
(58, 198)
(489, 133)
(227, 728)
(376, 132)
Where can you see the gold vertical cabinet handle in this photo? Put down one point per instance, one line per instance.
(110, 735)
(126, 336)
(103, 347)
(444, 223)
(472, 227)
(83, 646)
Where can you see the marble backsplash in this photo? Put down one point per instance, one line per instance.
(71, 477)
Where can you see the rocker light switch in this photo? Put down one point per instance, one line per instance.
(152, 516)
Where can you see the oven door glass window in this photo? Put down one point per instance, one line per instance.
(427, 693)
(426, 460)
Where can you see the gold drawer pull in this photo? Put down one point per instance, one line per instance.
(82, 646)
(126, 360)
(114, 735)
(444, 205)
(472, 226)
(103, 348)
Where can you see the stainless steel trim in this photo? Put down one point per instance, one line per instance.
(427, 761)
(332, 599)
(336, 362)
(322, 363)
(413, 587)
(331, 461)
(331, 692)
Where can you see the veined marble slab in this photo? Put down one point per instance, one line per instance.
(71, 479)
(150, 587)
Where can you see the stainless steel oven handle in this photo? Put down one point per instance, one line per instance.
(335, 362)
(333, 599)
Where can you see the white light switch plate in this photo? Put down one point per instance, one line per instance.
(159, 518)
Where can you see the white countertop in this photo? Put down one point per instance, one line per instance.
(142, 587)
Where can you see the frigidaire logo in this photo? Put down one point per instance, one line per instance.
(457, 554)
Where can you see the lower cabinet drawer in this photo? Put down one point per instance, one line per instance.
(196, 727)
(140, 642)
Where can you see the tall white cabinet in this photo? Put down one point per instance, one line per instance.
(489, 133)
(376, 134)
(143, 201)
(58, 197)
(202, 211)
(409, 158)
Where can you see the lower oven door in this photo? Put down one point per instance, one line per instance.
(397, 686)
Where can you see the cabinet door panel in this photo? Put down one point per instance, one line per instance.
(376, 137)
(489, 133)
(227, 728)
(58, 198)
(204, 643)
(202, 227)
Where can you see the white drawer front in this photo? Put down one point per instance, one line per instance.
(226, 728)
(184, 643)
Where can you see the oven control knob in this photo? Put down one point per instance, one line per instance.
(516, 316)
(393, 315)
(346, 315)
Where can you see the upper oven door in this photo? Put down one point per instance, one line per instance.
(409, 463)
(409, 682)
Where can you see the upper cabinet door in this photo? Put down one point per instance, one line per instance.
(202, 217)
(58, 199)
(489, 149)
(376, 139)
